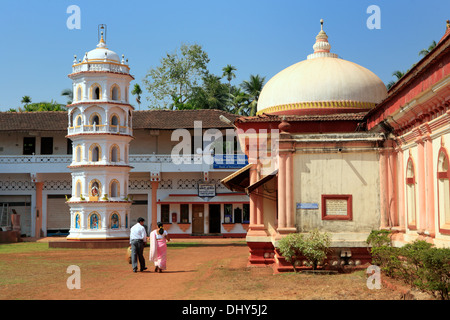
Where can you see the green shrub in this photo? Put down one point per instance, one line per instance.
(313, 246)
(418, 263)
(434, 276)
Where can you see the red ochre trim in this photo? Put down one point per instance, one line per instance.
(93, 71)
(99, 166)
(99, 102)
(99, 133)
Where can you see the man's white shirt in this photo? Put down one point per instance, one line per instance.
(138, 232)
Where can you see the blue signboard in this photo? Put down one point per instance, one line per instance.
(230, 161)
(307, 206)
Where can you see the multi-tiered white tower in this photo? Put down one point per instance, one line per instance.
(100, 127)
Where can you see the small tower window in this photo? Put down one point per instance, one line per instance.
(115, 93)
(114, 154)
(95, 153)
(96, 93)
(95, 120)
(114, 121)
(114, 188)
(79, 97)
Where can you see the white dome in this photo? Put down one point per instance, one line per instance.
(321, 84)
(102, 53)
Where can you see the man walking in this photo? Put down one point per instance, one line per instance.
(138, 237)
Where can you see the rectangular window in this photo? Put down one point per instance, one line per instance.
(228, 212)
(29, 145)
(237, 215)
(246, 213)
(165, 213)
(337, 207)
(69, 146)
(184, 213)
(47, 145)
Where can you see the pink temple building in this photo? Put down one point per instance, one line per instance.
(331, 149)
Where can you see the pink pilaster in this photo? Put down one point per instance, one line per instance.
(401, 190)
(289, 191)
(281, 191)
(383, 190)
(430, 186)
(421, 194)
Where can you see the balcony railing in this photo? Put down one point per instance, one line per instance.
(111, 67)
(99, 129)
(59, 163)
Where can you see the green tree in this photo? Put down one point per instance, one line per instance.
(398, 75)
(252, 88)
(211, 95)
(45, 106)
(424, 52)
(69, 94)
(26, 100)
(176, 76)
(228, 73)
(137, 91)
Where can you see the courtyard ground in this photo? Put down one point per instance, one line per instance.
(198, 269)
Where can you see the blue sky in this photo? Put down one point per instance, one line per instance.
(257, 37)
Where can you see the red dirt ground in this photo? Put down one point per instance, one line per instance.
(215, 269)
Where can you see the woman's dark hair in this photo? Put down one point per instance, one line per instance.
(160, 226)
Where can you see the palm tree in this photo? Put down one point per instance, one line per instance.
(398, 74)
(69, 94)
(253, 89)
(228, 72)
(137, 91)
(26, 100)
(424, 52)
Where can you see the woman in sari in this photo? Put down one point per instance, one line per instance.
(158, 247)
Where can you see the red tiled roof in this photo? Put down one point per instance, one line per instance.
(297, 118)
(148, 119)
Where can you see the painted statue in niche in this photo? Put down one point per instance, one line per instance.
(115, 221)
(94, 221)
(94, 189)
(77, 221)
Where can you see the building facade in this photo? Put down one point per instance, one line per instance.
(349, 156)
(36, 159)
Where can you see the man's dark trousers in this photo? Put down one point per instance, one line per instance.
(137, 252)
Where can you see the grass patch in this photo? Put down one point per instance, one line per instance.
(23, 247)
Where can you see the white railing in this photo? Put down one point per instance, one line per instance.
(36, 159)
(100, 129)
(101, 67)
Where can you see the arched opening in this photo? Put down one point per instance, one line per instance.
(95, 120)
(114, 189)
(78, 121)
(96, 93)
(79, 92)
(443, 176)
(411, 195)
(95, 154)
(115, 93)
(78, 189)
(78, 154)
(114, 120)
(114, 154)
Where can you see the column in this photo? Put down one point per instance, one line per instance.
(392, 189)
(39, 213)
(281, 191)
(401, 190)
(430, 183)
(289, 191)
(383, 190)
(154, 205)
(421, 194)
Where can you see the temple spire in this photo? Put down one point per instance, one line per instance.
(322, 46)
